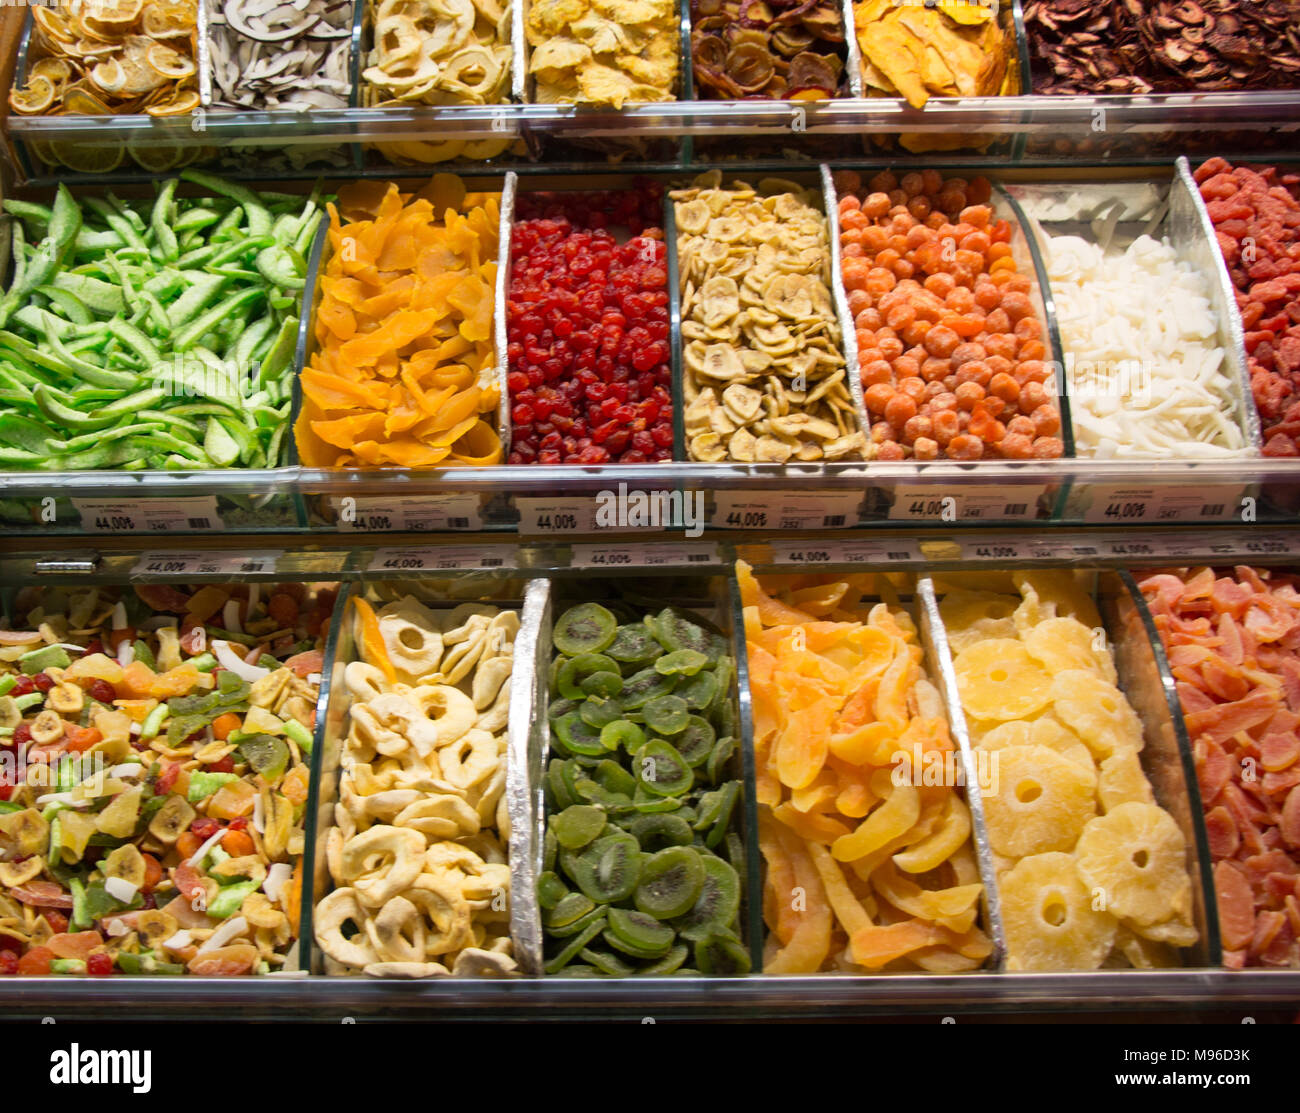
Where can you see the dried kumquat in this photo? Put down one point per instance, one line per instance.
(405, 370)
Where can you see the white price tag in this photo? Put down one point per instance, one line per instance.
(951, 503)
(1267, 546)
(1037, 549)
(206, 563)
(786, 509)
(856, 551)
(441, 559)
(567, 515)
(644, 556)
(1136, 548)
(413, 513)
(1001, 549)
(1117, 503)
(149, 515)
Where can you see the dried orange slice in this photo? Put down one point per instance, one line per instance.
(161, 20)
(1136, 855)
(109, 76)
(162, 59)
(89, 158)
(1042, 801)
(1050, 920)
(182, 104)
(36, 98)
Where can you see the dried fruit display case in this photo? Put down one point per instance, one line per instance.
(481, 986)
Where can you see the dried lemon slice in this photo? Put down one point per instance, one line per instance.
(1096, 711)
(1136, 855)
(88, 158)
(1049, 917)
(168, 62)
(35, 98)
(1066, 643)
(182, 104)
(997, 679)
(1042, 802)
(1122, 781)
(973, 616)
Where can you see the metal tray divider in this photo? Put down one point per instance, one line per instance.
(752, 893)
(528, 694)
(1020, 140)
(500, 323)
(203, 56)
(685, 77)
(1185, 195)
(675, 330)
(935, 639)
(519, 53)
(1172, 732)
(857, 86)
(338, 648)
(848, 335)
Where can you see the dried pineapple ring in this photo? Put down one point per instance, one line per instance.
(1122, 781)
(997, 679)
(973, 616)
(1066, 643)
(1042, 803)
(1097, 712)
(1044, 731)
(1049, 917)
(1135, 854)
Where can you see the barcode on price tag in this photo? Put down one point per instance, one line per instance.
(441, 559)
(644, 556)
(547, 516)
(410, 513)
(934, 502)
(207, 563)
(192, 515)
(883, 552)
(770, 510)
(1116, 503)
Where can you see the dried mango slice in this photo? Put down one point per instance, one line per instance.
(405, 371)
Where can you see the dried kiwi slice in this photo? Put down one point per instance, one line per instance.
(698, 691)
(643, 686)
(609, 869)
(613, 803)
(649, 804)
(655, 832)
(614, 778)
(638, 935)
(681, 662)
(561, 707)
(569, 909)
(633, 644)
(605, 684)
(622, 733)
(576, 669)
(576, 736)
(607, 963)
(563, 931)
(719, 758)
(730, 795)
(723, 674)
(696, 742)
(721, 955)
(670, 882)
(550, 850)
(578, 825)
(598, 711)
(559, 783)
(576, 944)
(671, 962)
(677, 630)
(716, 906)
(661, 770)
(586, 628)
(551, 889)
(666, 714)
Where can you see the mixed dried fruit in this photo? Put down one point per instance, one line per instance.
(293, 54)
(955, 48)
(157, 750)
(1147, 376)
(1091, 870)
(418, 853)
(640, 807)
(951, 348)
(587, 319)
(1256, 214)
(1143, 46)
(778, 49)
(153, 333)
(404, 373)
(437, 52)
(1232, 639)
(867, 843)
(764, 372)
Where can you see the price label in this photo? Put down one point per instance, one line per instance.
(441, 559)
(1130, 549)
(412, 513)
(207, 563)
(994, 550)
(951, 503)
(856, 551)
(1118, 504)
(773, 510)
(191, 515)
(549, 516)
(1266, 546)
(644, 556)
